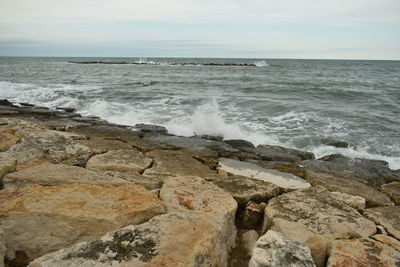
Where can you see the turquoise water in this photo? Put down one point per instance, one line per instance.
(295, 103)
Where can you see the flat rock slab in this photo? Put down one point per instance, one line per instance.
(388, 217)
(245, 189)
(281, 179)
(393, 191)
(171, 163)
(57, 174)
(99, 146)
(274, 249)
(387, 240)
(373, 197)
(362, 252)
(7, 165)
(194, 194)
(279, 153)
(319, 212)
(173, 239)
(41, 219)
(150, 183)
(131, 161)
(7, 138)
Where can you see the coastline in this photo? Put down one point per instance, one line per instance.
(255, 195)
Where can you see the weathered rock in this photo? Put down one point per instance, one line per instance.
(24, 153)
(150, 128)
(320, 212)
(7, 165)
(59, 216)
(66, 109)
(356, 202)
(387, 240)
(245, 189)
(57, 174)
(7, 138)
(284, 180)
(388, 217)
(171, 163)
(393, 191)
(223, 149)
(2, 247)
(253, 214)
(150, 183)
(353, 187)
(5, 102)
(293, 230)
(362, 252)
(248, 240)
(173, 239)
(99, 146)
(212, 137)
(370, 172)
(194, 194)
(336, 143)
(130, 161)
(238, 143)
(274, 249)
(204, 155)
(302, 155)
(317, 246)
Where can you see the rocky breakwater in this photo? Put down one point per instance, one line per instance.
(79, 191)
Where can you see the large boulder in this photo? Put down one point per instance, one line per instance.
(387, 240)
(41, 219)
(57, 174)
(7, 138)
(319, 212)
(245, 189)
(274, 249)
(286, 181)
(393, 191)
(296, 154)
(130, 161)
(171, 163)
(7, 165)
(352, 187)
(194, 194)
(173, 239)
(25, 154)
(150, 128)
(388, 217)
(362, 252)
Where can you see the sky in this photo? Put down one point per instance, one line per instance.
(327, 29)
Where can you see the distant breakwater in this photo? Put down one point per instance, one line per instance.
(169, 64)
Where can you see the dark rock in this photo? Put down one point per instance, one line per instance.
(70, 110)
(5, 102)
(277, 153)
(212, 137)
(253, 215)
(303, 155)
(237, 143)
(335, 143)
(26, 104)
(150, 128)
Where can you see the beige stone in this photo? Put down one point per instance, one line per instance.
(99, 146)
(362, 252)
(130, 161)
(293, 230)
(318, 250)
(24, 153)
(388, 217)
(7, 165)
(173, 239)
(41, 219)
(2, 247)
(194, 194)
(249, 239)
(319, 212)
(150, 183)
(356, 202)
(57, 174)
(7, 138)
(393, 191)
(171, 163)
(390, 241)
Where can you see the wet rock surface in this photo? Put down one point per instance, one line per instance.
(274, 249)
(59, 216)
(173, 239)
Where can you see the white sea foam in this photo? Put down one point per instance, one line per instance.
(261, 63)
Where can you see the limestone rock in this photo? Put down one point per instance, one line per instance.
(245, 189)
(24, 153)
(353, 187)
(57, 174)
(296, 154)
(2, 247)
(150, 183)
(150, 128)
(356, 202)
(194, 194)
(318, 249)
(274, 249)
(393, 191)
(362, 252)
(173, 239)
(99, 146)
(388, 217)
(38, 220)
(171, 163)
(253, 214)
(387, 240)
(204, 155)
(130, 161)
(7, 138)
(284, 180)
(7, 165)
(293, 230)
(320, 212)
(249, 239)
(237, 143)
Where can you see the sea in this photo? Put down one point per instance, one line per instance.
(296, 103)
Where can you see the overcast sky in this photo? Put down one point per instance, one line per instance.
(353, 29)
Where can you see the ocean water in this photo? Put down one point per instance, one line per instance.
(293, 103)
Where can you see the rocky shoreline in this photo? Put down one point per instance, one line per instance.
(79, 191)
